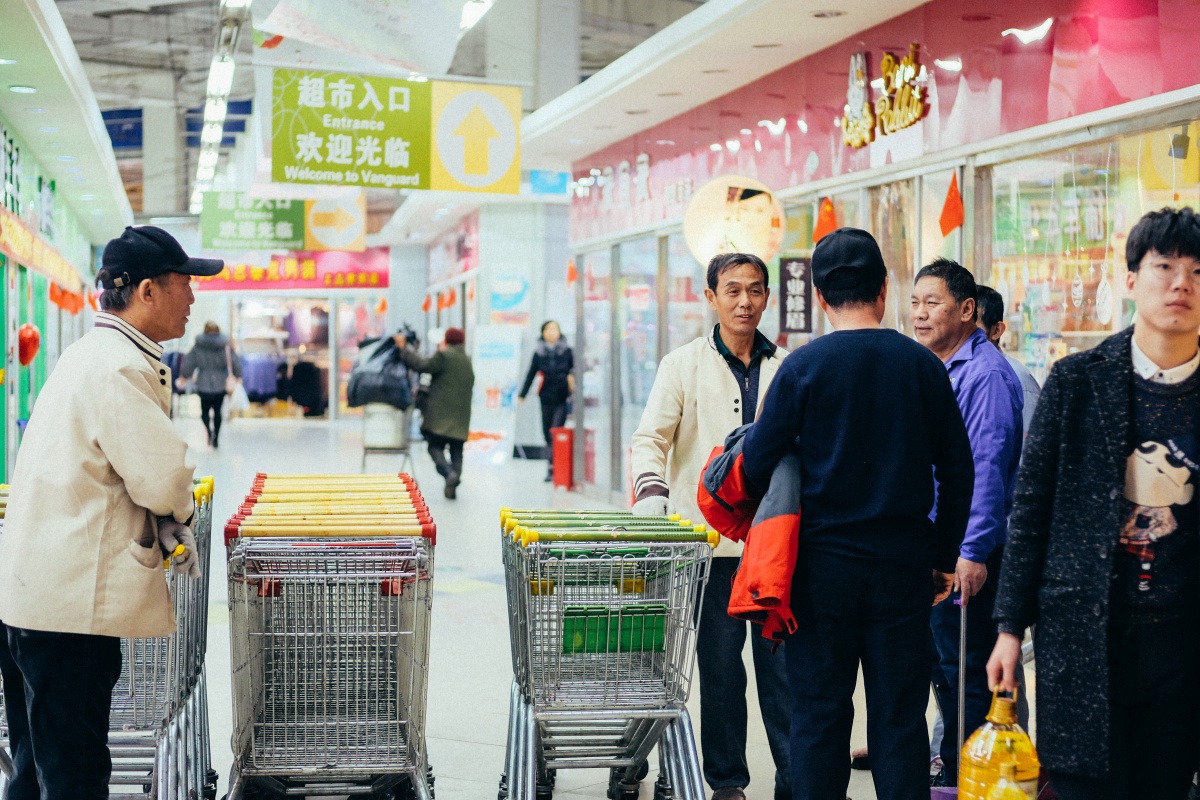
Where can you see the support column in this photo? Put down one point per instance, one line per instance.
(534, 42)
(406, 287)
(162, 155)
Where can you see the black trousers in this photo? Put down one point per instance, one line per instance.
(719, 645)
(1154, 700)
(58, 692)
(981, 638)
(210, 406)
(438, 445)
(554, 414)
(852, 611)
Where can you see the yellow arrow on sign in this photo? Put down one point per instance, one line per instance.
(338, 219)
(476, 131)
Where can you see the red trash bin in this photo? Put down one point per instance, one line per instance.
(563, 442)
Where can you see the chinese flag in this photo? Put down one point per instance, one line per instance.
(826, 221)
(425, 306)
(572, 273)
(952, 210)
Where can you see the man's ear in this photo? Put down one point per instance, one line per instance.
(145, 290)
(968, 310)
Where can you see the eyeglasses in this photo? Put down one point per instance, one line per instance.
(1165, 274)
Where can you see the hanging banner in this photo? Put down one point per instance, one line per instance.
(394, 133)
(497, 364)
(795, 296)
(334, 269)
(237, 221)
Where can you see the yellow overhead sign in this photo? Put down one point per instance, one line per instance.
(476, 145)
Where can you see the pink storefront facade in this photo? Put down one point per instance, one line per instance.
(1060, 122)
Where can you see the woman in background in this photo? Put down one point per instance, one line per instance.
(210, 361)
(554, 359)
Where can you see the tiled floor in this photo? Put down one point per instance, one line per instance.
(470, 667)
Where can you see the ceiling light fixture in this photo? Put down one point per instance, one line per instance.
(87, 197)
(18, 89)
(36, 110)
(949, 64)
(66, 158)
(1032, 34)
(4, 62)
(233, 14)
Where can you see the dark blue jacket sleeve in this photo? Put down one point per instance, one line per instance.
(774, 433)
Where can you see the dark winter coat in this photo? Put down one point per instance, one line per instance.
(1064, 530)
(446, 410)
(208, 360)
(555, 362)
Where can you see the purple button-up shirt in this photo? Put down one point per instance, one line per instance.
(990, 398)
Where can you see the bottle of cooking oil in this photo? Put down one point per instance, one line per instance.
(1008, 788)
(999, 741)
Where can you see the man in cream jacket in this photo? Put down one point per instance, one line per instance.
(703, 391)
(101, 494)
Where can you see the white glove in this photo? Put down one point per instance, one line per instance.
(171, 534)
(653, 507)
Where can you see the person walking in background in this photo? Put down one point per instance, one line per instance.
(446, 405)
(211, 364)
(101, 492)
(702, 392)
(871, 416)
(991, 319)
(945, 319)
(556, 363)
(1103, 552)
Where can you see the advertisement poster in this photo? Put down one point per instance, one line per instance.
(497, 362)
(795, 296)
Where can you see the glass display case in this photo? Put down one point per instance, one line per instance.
(595, 369)
(637, 321)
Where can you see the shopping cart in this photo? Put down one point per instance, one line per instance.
(159, 727)
(330, 603)
(387, 431)
(603, 619)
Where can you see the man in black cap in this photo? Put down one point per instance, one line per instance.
(101, 494)
(872, 417)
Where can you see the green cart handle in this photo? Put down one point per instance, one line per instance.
(699, 534)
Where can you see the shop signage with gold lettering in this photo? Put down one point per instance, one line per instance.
(901, 106)
(25, 247)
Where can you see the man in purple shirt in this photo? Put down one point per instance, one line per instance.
(989, 395)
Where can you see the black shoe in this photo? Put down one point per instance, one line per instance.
(452, 481)
(549, 476)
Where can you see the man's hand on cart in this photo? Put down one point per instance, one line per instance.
(179, 544)
(653, 507)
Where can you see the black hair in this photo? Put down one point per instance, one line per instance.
(959, 280)
(727, 261)
(990, 304)
(1170, 231)
(865, 292)
(118, 298)
(542, 332)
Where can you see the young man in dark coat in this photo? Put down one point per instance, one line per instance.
(1102, 552)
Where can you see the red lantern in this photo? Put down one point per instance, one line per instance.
(29, 339)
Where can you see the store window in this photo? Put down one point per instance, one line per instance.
(687, 310)
(935, 189)
(637, 320)
(1060, 222)
(595, 369)
(892, 211)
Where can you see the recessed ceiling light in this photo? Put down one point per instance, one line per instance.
(6, 61)
(66, 158)
(87, 197)
(49, 129)
(574, 141)
(714, 71)
(36, 110)
(22, 89)
(828, 13)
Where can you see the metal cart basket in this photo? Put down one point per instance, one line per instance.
(603, 630)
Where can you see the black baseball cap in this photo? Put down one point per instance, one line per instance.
(845, 258)
(145, 252)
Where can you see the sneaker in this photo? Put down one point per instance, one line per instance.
(729, 793)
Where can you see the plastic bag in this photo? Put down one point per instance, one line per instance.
(239, 401)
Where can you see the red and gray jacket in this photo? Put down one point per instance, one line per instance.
(770, 527)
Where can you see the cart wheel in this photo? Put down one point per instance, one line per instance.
(619, 790)
(661, 790)
(502, 792)
(643, 771)
(544, 792)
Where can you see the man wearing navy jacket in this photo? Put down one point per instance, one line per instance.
(872, 417)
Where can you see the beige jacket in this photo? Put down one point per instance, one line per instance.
(694, 404)
(99, 463)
